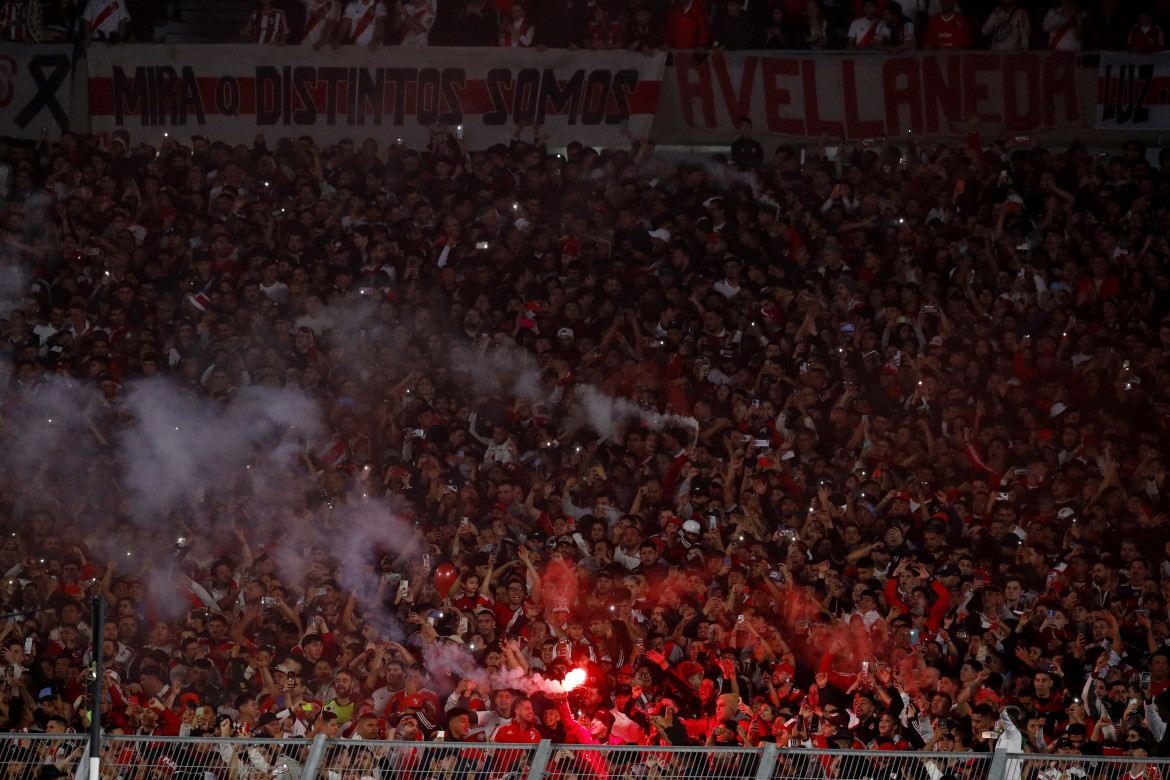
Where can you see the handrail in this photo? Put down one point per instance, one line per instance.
(352, 759)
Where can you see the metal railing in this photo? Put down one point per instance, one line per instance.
(347, 758)
(610, 762)
(28, 756)
(1030, 766)
(161, 758)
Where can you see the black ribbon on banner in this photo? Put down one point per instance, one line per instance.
(49, 71)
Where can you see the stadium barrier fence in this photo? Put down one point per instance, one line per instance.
(125, 757)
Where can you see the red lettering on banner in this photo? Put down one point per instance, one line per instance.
(739, 102)
(812, 108)
(1021, 112)
(942, 90)
(977, 94)
(777, 97)
(895, 72)
(855, 126)
(694, 83)
(1060, 82)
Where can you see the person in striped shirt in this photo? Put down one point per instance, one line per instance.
(267, 25)
(15, 21)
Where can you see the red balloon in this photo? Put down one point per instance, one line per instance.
(445, 577)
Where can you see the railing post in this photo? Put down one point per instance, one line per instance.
(540, 760)
(767, 761)
(313, 760)
(999, 765)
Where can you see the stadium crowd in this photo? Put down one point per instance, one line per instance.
(892, 26)
(836, 446)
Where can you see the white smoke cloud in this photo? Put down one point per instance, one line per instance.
(178, 444)
(608, 416)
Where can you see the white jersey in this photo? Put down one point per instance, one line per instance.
(424, 15)
(363, 16)
(318, 15)
(104, 16)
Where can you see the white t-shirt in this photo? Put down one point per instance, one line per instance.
(277, 292)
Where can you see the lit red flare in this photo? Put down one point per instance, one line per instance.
(575, 679)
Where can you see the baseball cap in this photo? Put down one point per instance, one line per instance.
(692, 527)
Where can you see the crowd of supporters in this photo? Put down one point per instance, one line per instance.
(831, 446)
(645, 26)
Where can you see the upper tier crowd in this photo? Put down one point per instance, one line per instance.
(835, 446)
(892, 26)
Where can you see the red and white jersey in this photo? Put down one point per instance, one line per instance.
(517, 34)
(14, 22)
(267, 27)
(1064, 29)
(863, 32)
(424, 16)
(515, 733)
(104, 16)
(318, 15)
(363, 16)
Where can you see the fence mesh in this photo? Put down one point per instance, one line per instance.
(803, 764)
(587, 762)
(357, 760)
(35, 756)
(1076, 767)
(28, 756)
(154, 758)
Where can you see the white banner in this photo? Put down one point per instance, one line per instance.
(231, 92)
(1133, 91)
(868, 95)
(36, 87)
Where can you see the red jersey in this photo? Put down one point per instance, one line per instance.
(953, 33)
(686, 28)
(603, 35)
(1146, 40)
(514, 732)
(467, 604)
